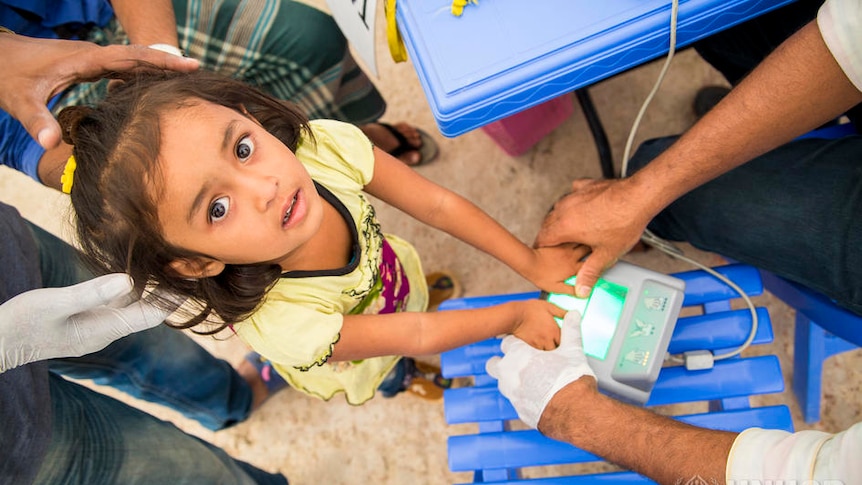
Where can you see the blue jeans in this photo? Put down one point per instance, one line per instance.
(394, 382)
(794, 211)
(160, 365)
(99, 440)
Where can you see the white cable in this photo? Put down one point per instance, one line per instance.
(666, 246)
(754, 322)
(674, 11)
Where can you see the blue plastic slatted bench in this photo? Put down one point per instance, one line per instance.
(823, 329)
(496, 454)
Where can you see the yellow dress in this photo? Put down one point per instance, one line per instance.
(301, 317)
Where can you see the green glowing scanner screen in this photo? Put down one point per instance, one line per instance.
(601, 314)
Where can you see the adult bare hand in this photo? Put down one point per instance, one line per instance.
(606, 215)
(37, 69)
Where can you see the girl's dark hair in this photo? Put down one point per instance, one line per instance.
(116, 146)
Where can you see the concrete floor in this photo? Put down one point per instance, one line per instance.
(403, 440)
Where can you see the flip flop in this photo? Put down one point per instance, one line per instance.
(427, 151)
(274, 382)
(426, 381)
(432, 373)
(442, 286)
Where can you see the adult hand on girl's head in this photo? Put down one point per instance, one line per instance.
(536, 325)
(69, 322)
(37, 69)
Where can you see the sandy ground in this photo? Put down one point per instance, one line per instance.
(403, 440)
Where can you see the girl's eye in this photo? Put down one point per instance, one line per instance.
(244, 148)
(219, 209)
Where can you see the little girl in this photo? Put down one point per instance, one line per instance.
(207, 188)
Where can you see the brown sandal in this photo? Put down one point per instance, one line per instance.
(442, 286)
(427, 382)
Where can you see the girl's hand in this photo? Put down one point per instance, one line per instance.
(536, 325)
(552, 266)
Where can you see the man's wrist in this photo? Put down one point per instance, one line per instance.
(564, 417)
(651, 196)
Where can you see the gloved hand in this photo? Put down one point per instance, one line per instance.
(72, 321)
(530, 377)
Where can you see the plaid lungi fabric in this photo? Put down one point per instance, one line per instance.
(288, 49)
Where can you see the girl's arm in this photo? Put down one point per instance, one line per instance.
(400, 186)
(426, 333)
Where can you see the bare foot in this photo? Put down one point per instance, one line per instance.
(386, 141)
(259, 391)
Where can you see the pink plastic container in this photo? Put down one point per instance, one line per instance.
(519, 132)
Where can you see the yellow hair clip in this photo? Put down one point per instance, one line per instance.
(68, 174)
(458, 6)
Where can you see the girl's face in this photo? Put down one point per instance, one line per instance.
(231, 190)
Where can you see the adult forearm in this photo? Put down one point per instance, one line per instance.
(794, 90)
(149, 22)
(658, 447)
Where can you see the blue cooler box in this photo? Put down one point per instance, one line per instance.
(503, 56)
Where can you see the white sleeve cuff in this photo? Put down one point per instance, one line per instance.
(840, 24)
(763, 454)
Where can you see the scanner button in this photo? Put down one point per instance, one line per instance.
(637, 356)
(657, 303)
(640, 328)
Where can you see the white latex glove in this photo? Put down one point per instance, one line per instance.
(530, 377)
(70, 322)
